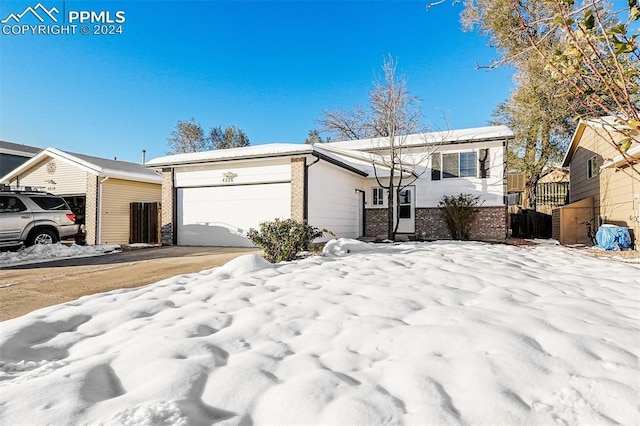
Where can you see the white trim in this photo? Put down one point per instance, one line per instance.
(82, 165)
(99, 210)
(633, 154)
(247, 152)
(17, 153)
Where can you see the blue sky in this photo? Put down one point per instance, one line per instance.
(268, 67)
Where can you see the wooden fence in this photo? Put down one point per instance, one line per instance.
(144, 223)
(551, 195)
(530, 224)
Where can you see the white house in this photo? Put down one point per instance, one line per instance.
(214, 197)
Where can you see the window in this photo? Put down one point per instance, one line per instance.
(404, 202)
(450, 165)
(11, 205)
(483, 163)
(436, 166)
(460, 164)
(592, 167)
(468, 164)
(378, 196)
(50, 203)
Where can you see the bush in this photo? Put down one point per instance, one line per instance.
(283, 239)
(459, 212)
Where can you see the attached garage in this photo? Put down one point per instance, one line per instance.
(213, 198)
(222, 215)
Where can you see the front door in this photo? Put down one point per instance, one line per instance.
(405, 211)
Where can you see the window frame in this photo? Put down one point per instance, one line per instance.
(466, 163)
(446, 171)
(469, 165)
(405, 203)
(377, 197)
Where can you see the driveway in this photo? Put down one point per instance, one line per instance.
(26, 288)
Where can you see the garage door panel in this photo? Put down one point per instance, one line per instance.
(223, 215)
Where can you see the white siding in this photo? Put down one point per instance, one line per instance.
(221, 216)
(429, 193)
(490, 190)
(333, 200)
(262, 171)
(61, 178)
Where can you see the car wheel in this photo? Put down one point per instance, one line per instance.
(42, 236)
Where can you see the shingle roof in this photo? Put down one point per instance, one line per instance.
(94, 165)
(18, 149)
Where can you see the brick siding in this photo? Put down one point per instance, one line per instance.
(166, 229)
(91, 209)
(375, 222)
(297, 188)
(490, 225)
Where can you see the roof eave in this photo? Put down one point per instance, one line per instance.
(632, 156)
(577, 134)
(159, 165)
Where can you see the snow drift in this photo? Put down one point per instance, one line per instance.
(440, 333)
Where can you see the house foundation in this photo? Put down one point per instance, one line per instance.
(490, 224)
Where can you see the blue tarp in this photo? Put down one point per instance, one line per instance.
(612, 237)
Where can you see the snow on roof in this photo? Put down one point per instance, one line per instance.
(475, 134)
(247, 152)
(94, 165)
(370, 163)
(346, 153)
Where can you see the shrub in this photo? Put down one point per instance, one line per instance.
(283, 239)
(459, 211)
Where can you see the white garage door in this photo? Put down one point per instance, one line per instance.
(221, 216)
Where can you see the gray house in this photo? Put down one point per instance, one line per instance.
(13, 155)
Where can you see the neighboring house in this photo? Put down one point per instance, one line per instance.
(215, 197)
(99, 191)
(552, 190)
(604, 184)
(12, 155)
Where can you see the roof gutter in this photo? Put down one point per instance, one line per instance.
(151, 164)
(335, 162)
(99, 209)
(305, 202)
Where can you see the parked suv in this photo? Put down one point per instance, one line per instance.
(33, 217)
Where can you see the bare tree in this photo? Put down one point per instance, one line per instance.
(590, 53)
(393, 115)
(188, 136)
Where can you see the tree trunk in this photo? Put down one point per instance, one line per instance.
(390, 208)
(530, 193)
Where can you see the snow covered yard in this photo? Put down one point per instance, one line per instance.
(423, 334)
(46, 252)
